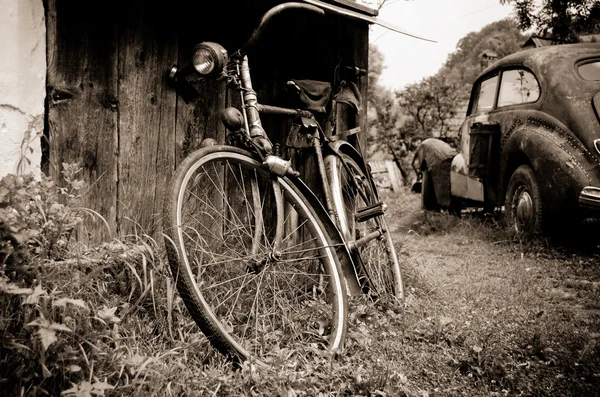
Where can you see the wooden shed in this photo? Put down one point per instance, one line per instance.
(111, 108)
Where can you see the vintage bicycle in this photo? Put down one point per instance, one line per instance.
(262, 264)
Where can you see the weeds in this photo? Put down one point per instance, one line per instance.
(79, 322)
(484, 315)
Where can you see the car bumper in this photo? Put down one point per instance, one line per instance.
(589, 198)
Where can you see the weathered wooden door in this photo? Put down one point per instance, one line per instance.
(111, 108)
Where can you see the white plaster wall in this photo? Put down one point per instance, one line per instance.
(22, 84)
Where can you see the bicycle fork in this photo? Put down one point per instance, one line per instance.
(259, 229)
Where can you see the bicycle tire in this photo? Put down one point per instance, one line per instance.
(378, 266)
(211, 212)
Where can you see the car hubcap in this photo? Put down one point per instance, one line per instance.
(523, 209)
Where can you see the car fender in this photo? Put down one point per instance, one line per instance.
(559, 162)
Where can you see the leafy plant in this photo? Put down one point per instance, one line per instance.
(38, 215)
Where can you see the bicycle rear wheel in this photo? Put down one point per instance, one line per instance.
(251, 299)
(376, 257)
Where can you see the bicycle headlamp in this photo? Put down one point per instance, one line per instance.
(209, 58)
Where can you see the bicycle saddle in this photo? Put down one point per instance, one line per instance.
(312, 95)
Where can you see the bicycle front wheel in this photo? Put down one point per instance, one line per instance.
(368, 236)
(253, 262)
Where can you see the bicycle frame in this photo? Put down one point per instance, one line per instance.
(321, 146)
(253, 136)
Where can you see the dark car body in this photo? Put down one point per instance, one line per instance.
(539, 108)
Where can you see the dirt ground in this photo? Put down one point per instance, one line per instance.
(487, 315)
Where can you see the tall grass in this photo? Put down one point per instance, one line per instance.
(485, 315)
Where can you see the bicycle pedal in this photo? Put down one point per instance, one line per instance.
(365, 213)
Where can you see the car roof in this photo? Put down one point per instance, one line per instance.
(537, 57)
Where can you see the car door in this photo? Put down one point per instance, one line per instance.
(496, 101)
(483, 100)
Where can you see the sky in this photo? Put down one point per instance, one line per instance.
(409, 60)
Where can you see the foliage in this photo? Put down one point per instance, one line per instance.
(563, 20)
(376, 4)
(464, 65)
(384, 113)
(399, 120)
(430, 105)
(70, 320)
(38, 214)
(494, 318)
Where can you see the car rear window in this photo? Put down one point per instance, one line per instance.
(590, 70)
(518, 86)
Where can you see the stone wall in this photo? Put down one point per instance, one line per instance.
(22, 84)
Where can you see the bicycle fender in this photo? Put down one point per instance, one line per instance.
(346, 262)
(347, 265)
(346, 148)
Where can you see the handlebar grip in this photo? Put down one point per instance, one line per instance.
(258, 31)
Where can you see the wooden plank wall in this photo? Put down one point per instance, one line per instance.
(82, 98)
(110, 106)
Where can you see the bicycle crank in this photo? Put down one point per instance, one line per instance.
(354, 245)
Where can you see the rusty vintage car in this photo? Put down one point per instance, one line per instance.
(530, 142)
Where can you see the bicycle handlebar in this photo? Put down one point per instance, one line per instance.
(258, 31)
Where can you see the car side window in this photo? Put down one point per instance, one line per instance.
(518, 86)
(487, 94)
(590, 71)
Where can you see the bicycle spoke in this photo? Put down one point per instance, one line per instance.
(255, 295)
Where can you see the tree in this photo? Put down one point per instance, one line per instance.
(430, 104)
(424, 109)
(563, 20)
(384, 114)
(376, 4)
(375, 69)
(464, 65)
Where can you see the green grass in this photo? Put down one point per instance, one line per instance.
(485, 315)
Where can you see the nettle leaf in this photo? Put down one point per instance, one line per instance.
(39, 322)
(82, 389)
(98, 388)
(47, 331)
(108, 315)
(11, 288)
(35, 296)
(59, 327)
(62, 302)
(47, 336)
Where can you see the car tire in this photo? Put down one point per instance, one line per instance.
(428, 199)
(523, 204)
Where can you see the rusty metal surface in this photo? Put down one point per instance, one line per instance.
(564, 95)
(556, 135)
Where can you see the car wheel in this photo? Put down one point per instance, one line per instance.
(428, 199)
(523, 205)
